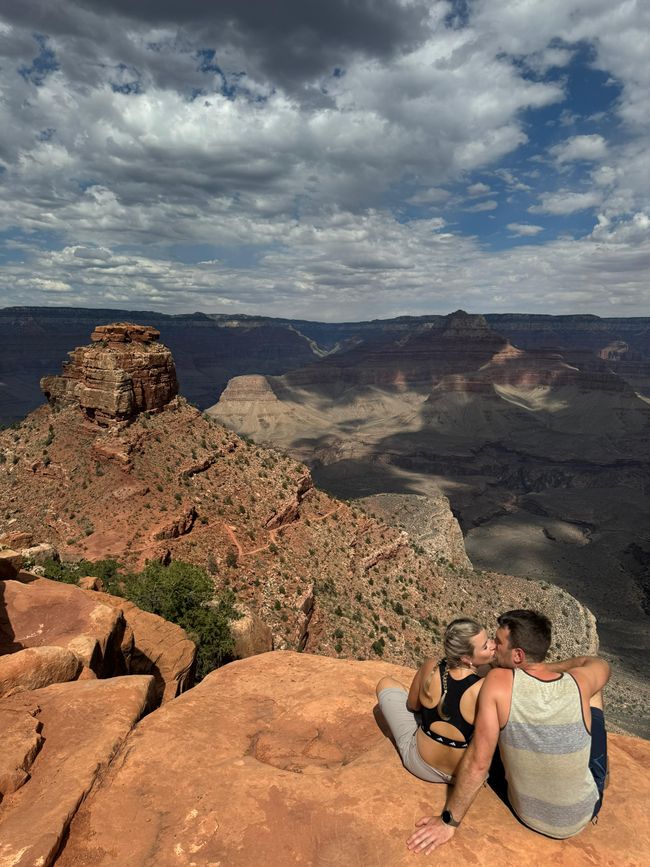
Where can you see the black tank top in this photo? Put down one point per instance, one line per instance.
(455, 691)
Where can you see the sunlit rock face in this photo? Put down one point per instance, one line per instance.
(125, 371)
(283, 759)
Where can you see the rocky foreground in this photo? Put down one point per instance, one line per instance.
(280, 756)
(281, 759)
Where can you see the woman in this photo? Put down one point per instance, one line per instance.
(444, 696)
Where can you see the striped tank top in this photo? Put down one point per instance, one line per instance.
(545, 750)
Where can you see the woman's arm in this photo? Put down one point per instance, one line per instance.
(563, 665)
(413, 701)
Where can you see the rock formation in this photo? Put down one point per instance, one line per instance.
(123, 373)
(428, 520)
(52, 632)
(46, 613)
(211, 350)
(158, 647)
(65, 704)
(280, 759)
(56, 742)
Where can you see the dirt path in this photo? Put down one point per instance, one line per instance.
(273, 534)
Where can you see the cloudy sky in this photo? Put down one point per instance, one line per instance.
(340, 160)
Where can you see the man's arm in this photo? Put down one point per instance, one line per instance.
(473, 769)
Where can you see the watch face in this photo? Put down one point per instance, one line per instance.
(448, 819)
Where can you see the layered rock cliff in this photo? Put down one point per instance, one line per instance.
(124, 373)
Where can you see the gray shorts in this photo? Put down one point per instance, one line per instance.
(404, 728)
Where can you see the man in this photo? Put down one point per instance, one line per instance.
(548, 721)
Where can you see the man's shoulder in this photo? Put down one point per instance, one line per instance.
(497, 680)
(495, 675)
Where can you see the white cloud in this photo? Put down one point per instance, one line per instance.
(478, 189)
(430, 196)
(580, 147)
(297, 163)
(524, 229)
(542, 61)
(489, 205)
(566, 202)
(358, 264)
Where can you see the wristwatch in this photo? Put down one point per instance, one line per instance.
(448, 819)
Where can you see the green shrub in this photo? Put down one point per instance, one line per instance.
(70, 573)
(181, 593)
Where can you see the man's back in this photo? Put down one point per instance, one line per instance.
(545, 747)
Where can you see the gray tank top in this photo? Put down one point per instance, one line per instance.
(545, 750)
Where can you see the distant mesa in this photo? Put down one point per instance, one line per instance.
(125, 371)
(461, 324)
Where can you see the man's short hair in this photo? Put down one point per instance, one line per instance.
(529, 630)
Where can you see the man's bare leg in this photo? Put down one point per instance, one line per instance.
(596, 700)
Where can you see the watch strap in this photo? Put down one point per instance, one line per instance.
(448, 819)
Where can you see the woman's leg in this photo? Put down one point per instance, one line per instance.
(403, 726)
(389, 683)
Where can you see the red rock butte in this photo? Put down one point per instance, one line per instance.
(125, 371)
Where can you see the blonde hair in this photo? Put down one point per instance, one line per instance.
(457, 642)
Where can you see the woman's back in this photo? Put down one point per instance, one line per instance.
(443, 746)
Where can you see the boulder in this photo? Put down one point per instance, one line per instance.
(17, 539)
(158, 647)
(279, 759)
(21, 741)
(83, 724)
(36, 667)
(250, 634)
(90, 582)
(50, 613)
(38, 554)
(11, 562)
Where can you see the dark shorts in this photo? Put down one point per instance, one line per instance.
(598, 754)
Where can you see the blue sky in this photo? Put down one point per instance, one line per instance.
(328, 161)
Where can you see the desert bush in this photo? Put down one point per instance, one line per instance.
(181, 593)
(70, 573)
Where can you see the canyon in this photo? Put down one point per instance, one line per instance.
(543, 457)
(117, 464)
(210, 349)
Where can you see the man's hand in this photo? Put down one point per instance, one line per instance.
(433, 833)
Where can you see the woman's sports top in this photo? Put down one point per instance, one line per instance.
(455, 691)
